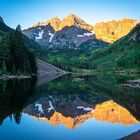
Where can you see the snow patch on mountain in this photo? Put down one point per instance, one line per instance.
(85, 34)
(40, 109)
(51, 36)
(40, 35)
(51, 107)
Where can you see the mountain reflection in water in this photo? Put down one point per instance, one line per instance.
(108, 111)
(71, 100)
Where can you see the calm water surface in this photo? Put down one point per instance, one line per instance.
(69, 108)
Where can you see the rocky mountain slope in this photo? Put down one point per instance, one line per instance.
(114, 30)
(47, 72)
(73, 30)
(42, 34)
(70, 37)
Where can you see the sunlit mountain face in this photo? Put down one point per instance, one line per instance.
(70, 20)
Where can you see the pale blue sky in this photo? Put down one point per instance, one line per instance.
(28, 12)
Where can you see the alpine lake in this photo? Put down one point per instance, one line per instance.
(71, 107)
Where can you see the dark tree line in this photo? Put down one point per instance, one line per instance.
(15, 58)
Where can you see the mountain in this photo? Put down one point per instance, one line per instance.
(70, 32)
(114, 30)
(76, 21)
(70, 20)
(54, 22)
(42, 34)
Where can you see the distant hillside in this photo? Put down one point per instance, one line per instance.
(124, 53)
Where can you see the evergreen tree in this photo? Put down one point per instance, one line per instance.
(20, 52)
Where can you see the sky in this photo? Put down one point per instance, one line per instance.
(28, 12)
